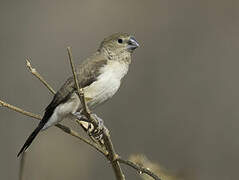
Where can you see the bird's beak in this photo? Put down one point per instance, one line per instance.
(132, 44)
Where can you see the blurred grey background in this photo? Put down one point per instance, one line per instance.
(179, 104)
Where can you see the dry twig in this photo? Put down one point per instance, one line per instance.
(62, 127)
(108, 152)
(106, 137)
(38, 76)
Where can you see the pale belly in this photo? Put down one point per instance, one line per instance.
(107, 83)
(104, 88)
(100, 91)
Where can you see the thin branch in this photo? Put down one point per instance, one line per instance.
(64, 128)
(60, 126)
(108, 152)
(75, 134)
(112, 155)
(19, 110)
(80, 91)
(74, 70)
(140, 169)
(38, 76)
(106, 137)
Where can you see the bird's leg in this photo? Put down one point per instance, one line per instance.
(83, 121)
(96, 132)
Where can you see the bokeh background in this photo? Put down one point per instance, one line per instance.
(179, 104)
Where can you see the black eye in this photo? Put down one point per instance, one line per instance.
(120, 41)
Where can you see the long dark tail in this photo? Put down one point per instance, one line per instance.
(31, 138)
(48, 113)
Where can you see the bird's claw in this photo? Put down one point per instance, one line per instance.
(95, 132)
(98, 131)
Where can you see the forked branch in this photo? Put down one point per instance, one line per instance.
(106, 137)
(60, 126)
(108, 151)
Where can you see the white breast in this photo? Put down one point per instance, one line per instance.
(101, 90)
(107, 83)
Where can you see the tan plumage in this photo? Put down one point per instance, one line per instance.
(100, 76)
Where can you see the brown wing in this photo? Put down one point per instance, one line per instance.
(87, 73)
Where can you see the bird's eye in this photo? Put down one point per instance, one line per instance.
(120, 41)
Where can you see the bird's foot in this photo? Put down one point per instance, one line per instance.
(95, 132)
(98, 131)
(81, 117)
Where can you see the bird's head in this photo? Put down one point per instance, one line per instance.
(119, 44)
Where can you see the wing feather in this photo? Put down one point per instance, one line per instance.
(87, 73)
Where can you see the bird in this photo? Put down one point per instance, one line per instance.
(99, 75)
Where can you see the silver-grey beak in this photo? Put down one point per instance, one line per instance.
(132, 44)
